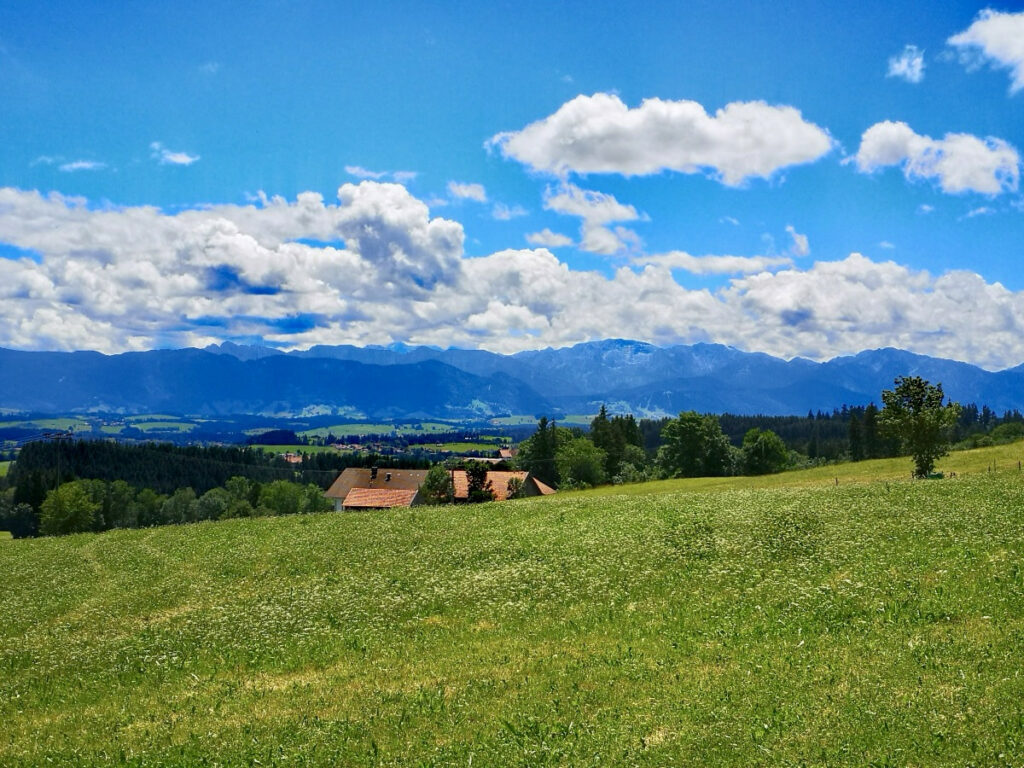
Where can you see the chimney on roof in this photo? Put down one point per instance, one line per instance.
(373, 473)
(387, 477)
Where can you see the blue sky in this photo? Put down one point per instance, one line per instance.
(812, 180)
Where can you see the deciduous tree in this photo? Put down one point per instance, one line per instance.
(764, 453)
(694, 446)
(437, 486)
(913, 412)
(68, 509)
(580, 463)
(480, 488)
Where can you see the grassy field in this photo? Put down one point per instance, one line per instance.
(72, 424)
(163, 426)
(152, 417)
(379, 428)
(962, 463)
(873, 623)
(514, 421)
(519, 420)
(466, 445)
(4, 466)
(275, 449)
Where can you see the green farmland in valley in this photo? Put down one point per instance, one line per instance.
(877, 622)
(164, 426)
(276, 449)
(380, 428)
(61, 424)
(463, 447)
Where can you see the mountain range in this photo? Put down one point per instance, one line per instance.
(400, 381)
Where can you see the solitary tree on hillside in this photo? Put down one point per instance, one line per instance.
(914, 414)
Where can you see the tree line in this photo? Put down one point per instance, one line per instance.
(913, 421)
(851, 433)
(613, 451)
(164, 467)
(79, 506)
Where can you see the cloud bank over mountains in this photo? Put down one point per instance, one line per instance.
(375, 268)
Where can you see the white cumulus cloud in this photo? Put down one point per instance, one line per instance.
(503, 212)
(466, 191)
(165, 156)
(364, 173)
(715, 265)
(548, 239)
(600, 134)
(997, 38)
(400, 177)
(801, 246)
(908, 65)
(598, 210)
(959, 162)
(82, 165)
(983, 210)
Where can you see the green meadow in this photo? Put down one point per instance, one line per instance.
(164, 426)
(513, 421)
(4, 466)
(379, 428)
(62, 423)
(958, 463)
(483, 445)
(276, 449)
(877, 622)
(518, 420)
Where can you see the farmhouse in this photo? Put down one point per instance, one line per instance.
(499, 484)
(360, 488)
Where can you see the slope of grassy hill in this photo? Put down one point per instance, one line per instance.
(959, 463)
(865, 624)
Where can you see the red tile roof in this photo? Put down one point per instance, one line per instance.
(545, 490)
(353, 477)
(378, 498)
(499, 483)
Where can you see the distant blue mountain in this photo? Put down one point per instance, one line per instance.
(644, 378)
(418, 382)
(198, 382)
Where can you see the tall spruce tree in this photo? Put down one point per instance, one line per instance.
(537, 453)
(856, 437)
